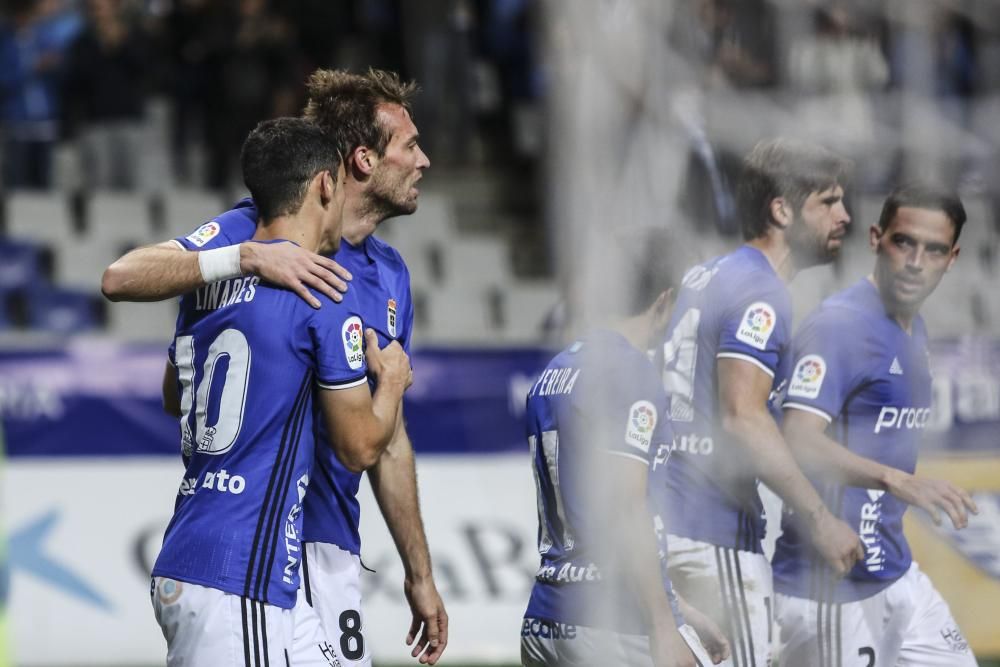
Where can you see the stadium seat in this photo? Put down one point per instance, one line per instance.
(475, 262)
(460, 314)
(119, 218)
(185, 210)
(81, 264)
(527, 307)
(150, 322)
(39, 217)
(60, 310)
(20, 265)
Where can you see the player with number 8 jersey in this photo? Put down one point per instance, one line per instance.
(248, 358)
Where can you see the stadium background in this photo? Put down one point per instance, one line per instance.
(549, 126)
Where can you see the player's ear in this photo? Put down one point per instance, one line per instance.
(363, 161)
(781, 212)
(327, 186)
(954, 255)
(874, 236)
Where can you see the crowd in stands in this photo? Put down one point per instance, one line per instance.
(82, 71)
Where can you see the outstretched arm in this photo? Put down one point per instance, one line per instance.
(805, 433)
(394, 483)
(165, 270)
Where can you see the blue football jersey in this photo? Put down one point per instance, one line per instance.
(859, 370)
(599, 396)
(734, 306)
(382, 286)
(249, 357)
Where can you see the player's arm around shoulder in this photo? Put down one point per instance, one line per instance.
(361, 424)
(163, 270)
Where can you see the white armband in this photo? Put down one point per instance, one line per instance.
(220, 263)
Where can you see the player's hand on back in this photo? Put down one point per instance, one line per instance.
(297, 269)
(668, 649)
(835, 541)
(390, 364)
(934, 496)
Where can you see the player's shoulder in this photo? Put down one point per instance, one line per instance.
(744, 275)
(854, 306)
(233, 226)
(331, 311)
(384, 253)
(618, 365)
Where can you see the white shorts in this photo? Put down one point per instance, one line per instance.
(907, 624)
(331, 584)
(206, 627)
(545, 644)
(733, 588)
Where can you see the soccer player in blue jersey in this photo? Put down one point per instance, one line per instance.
(857, 401)
(726, 343)
(597, 429)
(370, 114)
(248, 356)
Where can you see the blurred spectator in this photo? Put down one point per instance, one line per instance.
(34, 36)
(734, 41)
(252, 74)
(105, 95)
(834, 73)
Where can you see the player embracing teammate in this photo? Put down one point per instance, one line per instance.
(369, 117)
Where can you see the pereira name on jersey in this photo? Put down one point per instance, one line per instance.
(381, 283)
(734, 306)
(247, 431)
(856, 368)
(600, 395)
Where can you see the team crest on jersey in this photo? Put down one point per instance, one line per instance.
(757, 325)
(807, 377)
(641, 423)
(391, 317)
(353, 334)
(205, 233)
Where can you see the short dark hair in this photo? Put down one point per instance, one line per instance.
(784, 168)
(927, 196)
(654, 261)
(347, 105)
(280, 158)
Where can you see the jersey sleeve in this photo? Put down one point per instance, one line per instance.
(338, 335)
(822, 376)
(234, 226)
(757, 328)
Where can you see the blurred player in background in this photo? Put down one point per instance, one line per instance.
(371, 115)
(857, 401)
(226, 581)
(597, 429)
(725, 345)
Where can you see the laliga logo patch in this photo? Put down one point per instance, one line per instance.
(205, 233)
(391, 317)
(641, 423)
(808, 377)
(757, 325)
(352, 335)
